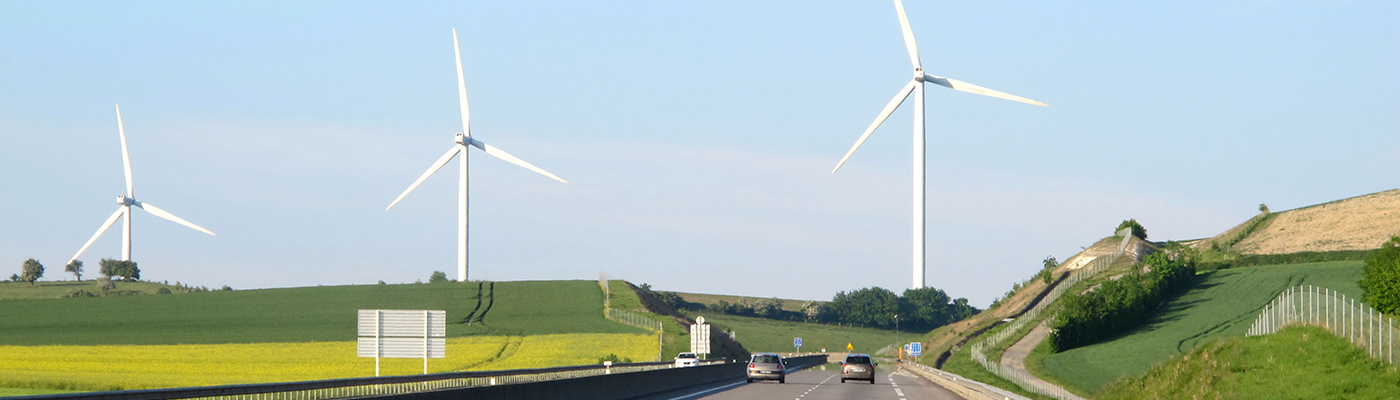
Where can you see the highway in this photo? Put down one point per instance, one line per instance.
(818, 384)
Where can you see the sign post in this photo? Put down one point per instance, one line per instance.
(700, 337)
(797, 342)
(916, 349)
(402, 334)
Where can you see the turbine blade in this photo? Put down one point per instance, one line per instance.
(462, 88)
(441, 161)
(126, 159)
(889, 108)
(908, 35)
(110, 220)
(974, 89)
(502, 154)
(167, 215)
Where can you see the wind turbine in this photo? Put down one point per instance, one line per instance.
(126, 202)
(464, 139)
(916, 86)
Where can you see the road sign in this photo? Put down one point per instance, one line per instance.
(700, 336)
(402, 334)
(849, 347)
(797, 342)
(916, 349)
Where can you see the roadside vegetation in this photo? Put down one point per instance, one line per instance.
(1380, 280)
(765, 335)
(919, 310)
(1218, 304)
(1295, 363)
(1117, 305)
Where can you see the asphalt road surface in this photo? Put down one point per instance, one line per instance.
(816, 384)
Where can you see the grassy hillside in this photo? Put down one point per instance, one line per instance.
(766, 335)
(1357, 223)
(1221, 304)
(1296, 363)
(298, 314)
(56, 289)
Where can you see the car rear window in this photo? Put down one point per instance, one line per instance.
(766, 359)
(687, 355)
(857, 360)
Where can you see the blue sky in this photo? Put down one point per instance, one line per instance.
(698, 138)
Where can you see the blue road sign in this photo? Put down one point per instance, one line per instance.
(797, 342)
(916, 349)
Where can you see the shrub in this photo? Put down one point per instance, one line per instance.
(614, 358)
(163, 291)
(77, 292)
(1380, 279)
(1137, 228)
(437, 277)
(1117, 305)
(105, 284)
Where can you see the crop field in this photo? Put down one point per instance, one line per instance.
(1222, 303)
(124, 367)
(766, 335)
(296, 315)
(1296, 363)
(707, 299)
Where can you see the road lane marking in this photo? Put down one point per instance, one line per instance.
(898, 392)
(707, 391)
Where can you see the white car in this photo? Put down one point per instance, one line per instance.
(687, 360)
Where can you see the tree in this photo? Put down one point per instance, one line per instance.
(32, 271)
(75, 267)
(1380, 278)
(1048, 266)
(1263, 208)
(127, 270)
(437, 277)
(1137, 228)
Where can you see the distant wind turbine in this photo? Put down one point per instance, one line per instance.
(463, 139)
(916, 86)
(127, 202)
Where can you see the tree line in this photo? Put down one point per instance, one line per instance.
(917, 310)
(1117, 305)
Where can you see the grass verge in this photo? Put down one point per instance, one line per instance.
(1296, 363)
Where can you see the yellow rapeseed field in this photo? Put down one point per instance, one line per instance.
(125, 367)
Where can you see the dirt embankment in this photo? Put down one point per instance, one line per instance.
(1358, 223)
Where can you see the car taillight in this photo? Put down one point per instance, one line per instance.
(750, 365)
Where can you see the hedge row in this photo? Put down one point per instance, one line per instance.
(1117, 305)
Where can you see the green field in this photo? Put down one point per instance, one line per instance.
(298, 314)
(707, 299)
(1296, 363)
(1222, 303)
(766, 335)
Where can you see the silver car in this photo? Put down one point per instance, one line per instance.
(858, 367)
(687, 360)
(767, 366)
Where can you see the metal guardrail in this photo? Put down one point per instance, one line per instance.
(989, 390)
(352, 387)
(1343, 316)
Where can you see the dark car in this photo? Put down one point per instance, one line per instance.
(858, 367)
(767, 366)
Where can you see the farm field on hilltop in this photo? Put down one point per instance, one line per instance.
(307, 314)
(56, 289)
(1296, 363)
(1222, 303)
(125, 367)
(766, 335)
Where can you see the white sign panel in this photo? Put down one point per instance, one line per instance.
(402, 334)
(700, 338)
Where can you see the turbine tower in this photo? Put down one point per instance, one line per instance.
(464, 139)
(916, 86)
(128, 201)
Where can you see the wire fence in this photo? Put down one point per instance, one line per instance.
(1020, 378)
(631, 318)
(1343, 316)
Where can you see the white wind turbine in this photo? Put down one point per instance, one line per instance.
(916, 86)
(127, 202)
(464, 139)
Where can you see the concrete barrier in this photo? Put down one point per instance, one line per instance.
(614, 386)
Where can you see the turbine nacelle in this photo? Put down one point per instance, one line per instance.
(919, 74)
(127, 201)
(462, 138)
